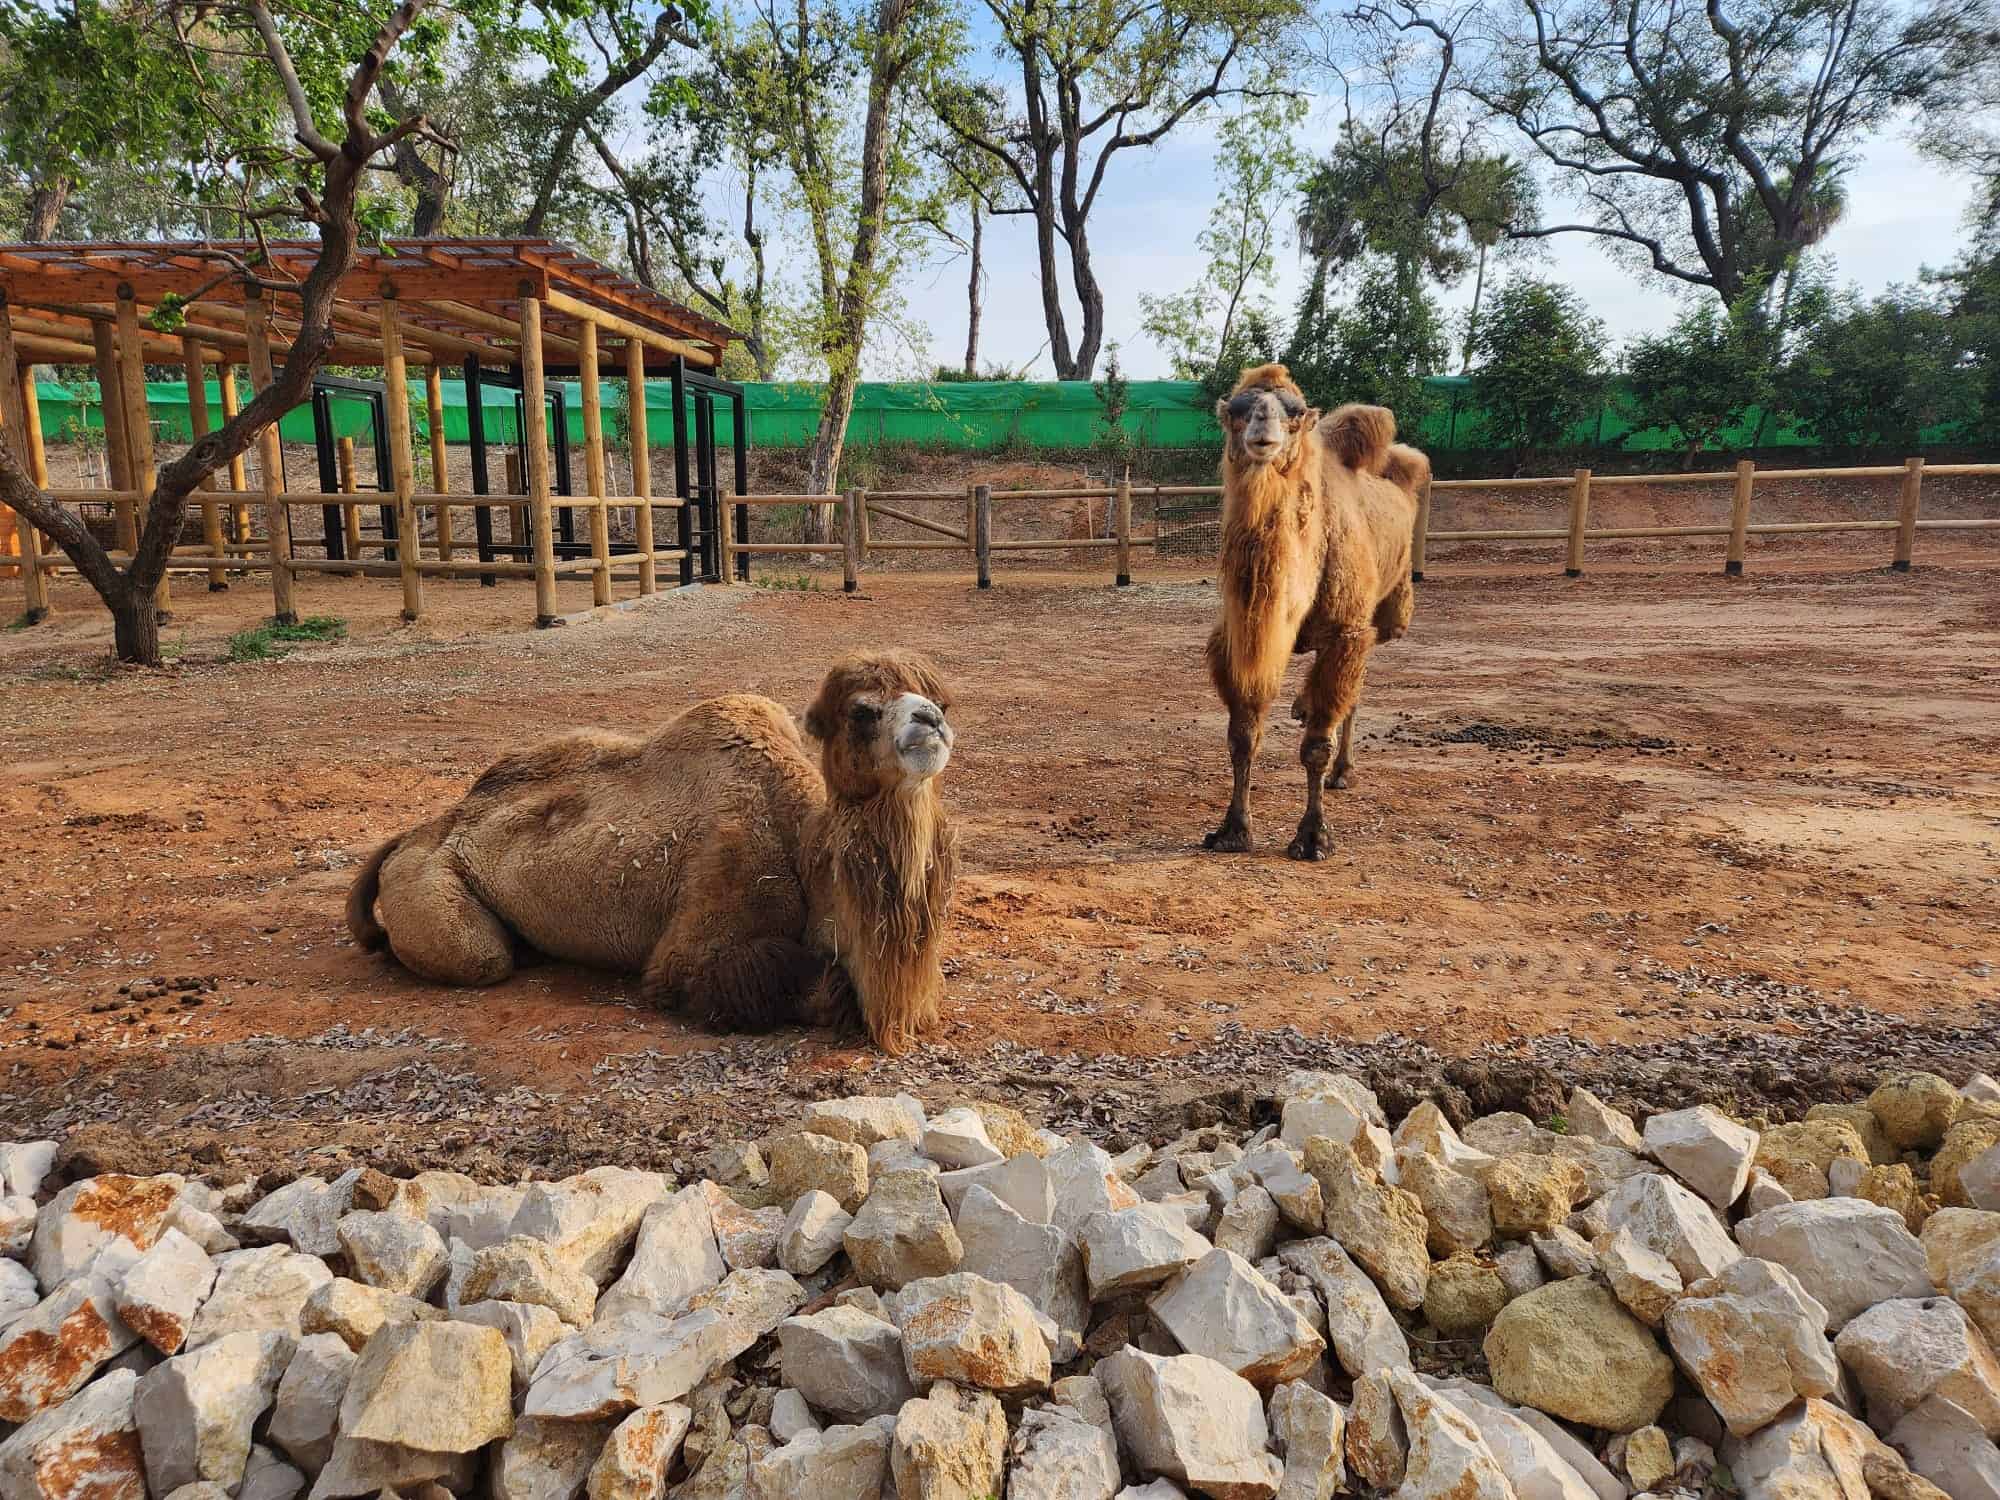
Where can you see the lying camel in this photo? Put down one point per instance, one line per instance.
(712, 858)
(1318, 518)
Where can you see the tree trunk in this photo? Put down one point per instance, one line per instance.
(135, 626)
(823, 462)
(1472, 317)
(972, 300)
(1091, 297)
(45, 206)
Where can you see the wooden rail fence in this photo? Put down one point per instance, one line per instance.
(855, 543)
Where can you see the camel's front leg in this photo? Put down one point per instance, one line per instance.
(1332, 689)
(1246, 733)
(1340, 777)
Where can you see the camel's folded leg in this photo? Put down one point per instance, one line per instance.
(1332, 689)
(751, 984)
(437, 927)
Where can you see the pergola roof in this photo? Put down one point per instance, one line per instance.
(455, 296)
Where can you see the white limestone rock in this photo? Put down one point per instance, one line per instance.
(902, 1233)
(355, 1311)
(1134, 1248)
(845, 1362)
(303, 1214)
(1082, 1184)
(50, 1351)
(89, 1216)
(1448, 1459)
(159, 1294)
(86, 1448)
(867, 1121)
(1643, 1279)
(1946, 1444)
(524, 1269)
(195, 1412)
(1705, 1149)
(1754, 1341)
(957, 1139)
(949, 1445)
(392, 1251)
(675, 1257)
(1847, 1253)
(1189, 1419)
(1224, 1309)
(1671, 1221)
(634, 1462)
(24, 1165)
(1057, 1455)
(1363, 1332)
(256, 1291)
(306, 1410)
(546, 1460)
(591, 1220)
(1904, 1351)
(1307, 1430)
(971, 1331)
(839, 1463)
(1036, 1259)
(812, 1234)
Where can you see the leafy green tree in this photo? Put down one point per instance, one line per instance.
(1094, 81)
(1537, 366)
(1258, 166)
(1697, 138)
(1701, 377)
(1876, 373)
(1379, 347)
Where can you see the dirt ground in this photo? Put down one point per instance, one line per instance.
(1676, 836)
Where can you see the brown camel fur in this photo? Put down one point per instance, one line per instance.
(712, 858)
(1318, 518)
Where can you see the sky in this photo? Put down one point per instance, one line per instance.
(1904, 213)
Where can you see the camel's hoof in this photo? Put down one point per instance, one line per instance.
(1308, 844)
(1230, 838)
(1339, 781)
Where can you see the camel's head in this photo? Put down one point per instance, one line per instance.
(1265, 417)
(880, 721)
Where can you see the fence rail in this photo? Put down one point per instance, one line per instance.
(855, 544)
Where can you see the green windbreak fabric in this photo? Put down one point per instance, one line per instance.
(972, 415)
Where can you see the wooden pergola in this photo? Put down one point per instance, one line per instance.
(531, 305)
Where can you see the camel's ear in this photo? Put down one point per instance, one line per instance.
(1222, 412)
(825, 711)
(1310, 419)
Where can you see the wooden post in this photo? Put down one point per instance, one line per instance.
(226, 380)
(211, 512)
(851, 552)
(402, 460)
(1579, 517)
(642, 469)
(863, 513)
(982, 533)
(971, 512)
(593, 463)
(117, 457)
(270, 458)
(1421, 536)
(440, 464)
(1124, 529)
(138, 424)
(517, 515)
(535, 443)
(20, 419)
(1910, 497)
(35, 581)
(1739, 518)
(350, 515)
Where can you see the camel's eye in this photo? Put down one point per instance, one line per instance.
(864, 713)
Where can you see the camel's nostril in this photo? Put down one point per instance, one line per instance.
(929, 716)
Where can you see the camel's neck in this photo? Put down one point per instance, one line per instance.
(879, 885)
(1262, 502)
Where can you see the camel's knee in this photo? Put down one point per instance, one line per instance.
(1315, 752)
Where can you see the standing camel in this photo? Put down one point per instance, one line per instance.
(1317, 523)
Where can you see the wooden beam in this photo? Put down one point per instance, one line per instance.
(610, 322)
(492, 322)
(360, 287)
(440, 457)
(117, 457)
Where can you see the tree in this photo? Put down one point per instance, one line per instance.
(1096, 80)
(860, 213)
(1536, 369)
(1700, 377)
(1379, 348)
(1876, 373)
(327, 61)
(1258, 167)
(1699, 136)
(971, 180)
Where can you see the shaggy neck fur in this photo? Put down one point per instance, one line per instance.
(880, 880)
(1273, 529)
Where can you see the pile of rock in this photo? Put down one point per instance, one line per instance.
(958, 1306)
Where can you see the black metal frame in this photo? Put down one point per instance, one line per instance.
(477, 377)
(376, 394)
(701, 518)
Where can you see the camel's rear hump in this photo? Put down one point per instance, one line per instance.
(1357, 436)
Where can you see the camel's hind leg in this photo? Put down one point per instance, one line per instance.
(1246, 733)
(437, 927)
(1332, 689)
